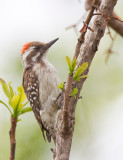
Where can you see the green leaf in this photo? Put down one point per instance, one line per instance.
(84, 76)
(6, 106)
(5, 88)
(11, 90)
(22, 97)
(61, 86)
(24, 110)
(80, 70)
(74, 96)
(20, 106)
(21, 93)
(69, 65)
(76, 78)
(15, 101)
(74, 92)
(73, 64)
(68, 61)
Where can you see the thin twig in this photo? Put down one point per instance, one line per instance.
(75, 25)
(108, 17)
(12, 138)
(110, 51)
(109, 33)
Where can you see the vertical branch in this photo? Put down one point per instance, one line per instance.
(77, 51)
(12, 138)
(84, 29)
(66, 118)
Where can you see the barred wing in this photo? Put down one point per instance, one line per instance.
(31, 88)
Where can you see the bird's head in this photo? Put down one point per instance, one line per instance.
(34, 52)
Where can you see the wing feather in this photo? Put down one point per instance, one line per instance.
(31, 88)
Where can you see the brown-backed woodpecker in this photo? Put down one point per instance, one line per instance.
(40, 83)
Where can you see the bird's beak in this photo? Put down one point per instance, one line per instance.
(48, 45)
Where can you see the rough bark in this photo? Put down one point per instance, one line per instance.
(66, 118)
(114, 24)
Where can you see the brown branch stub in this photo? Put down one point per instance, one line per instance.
(85, 27)
(108, 18)
(116, 25)
(12, 138)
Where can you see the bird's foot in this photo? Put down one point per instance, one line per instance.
(59, 100)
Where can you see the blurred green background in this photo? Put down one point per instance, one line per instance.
(99, 115)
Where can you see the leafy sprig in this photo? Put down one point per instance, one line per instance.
(74, 92)
(16, 105)
(71, 64)
(61, 86)
(79, 71)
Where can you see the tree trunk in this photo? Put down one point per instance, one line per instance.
(89, 46)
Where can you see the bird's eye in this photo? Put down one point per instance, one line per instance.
(37, 47)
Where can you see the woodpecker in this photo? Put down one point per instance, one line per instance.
(40, 83)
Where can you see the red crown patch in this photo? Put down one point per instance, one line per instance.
(25, 47)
